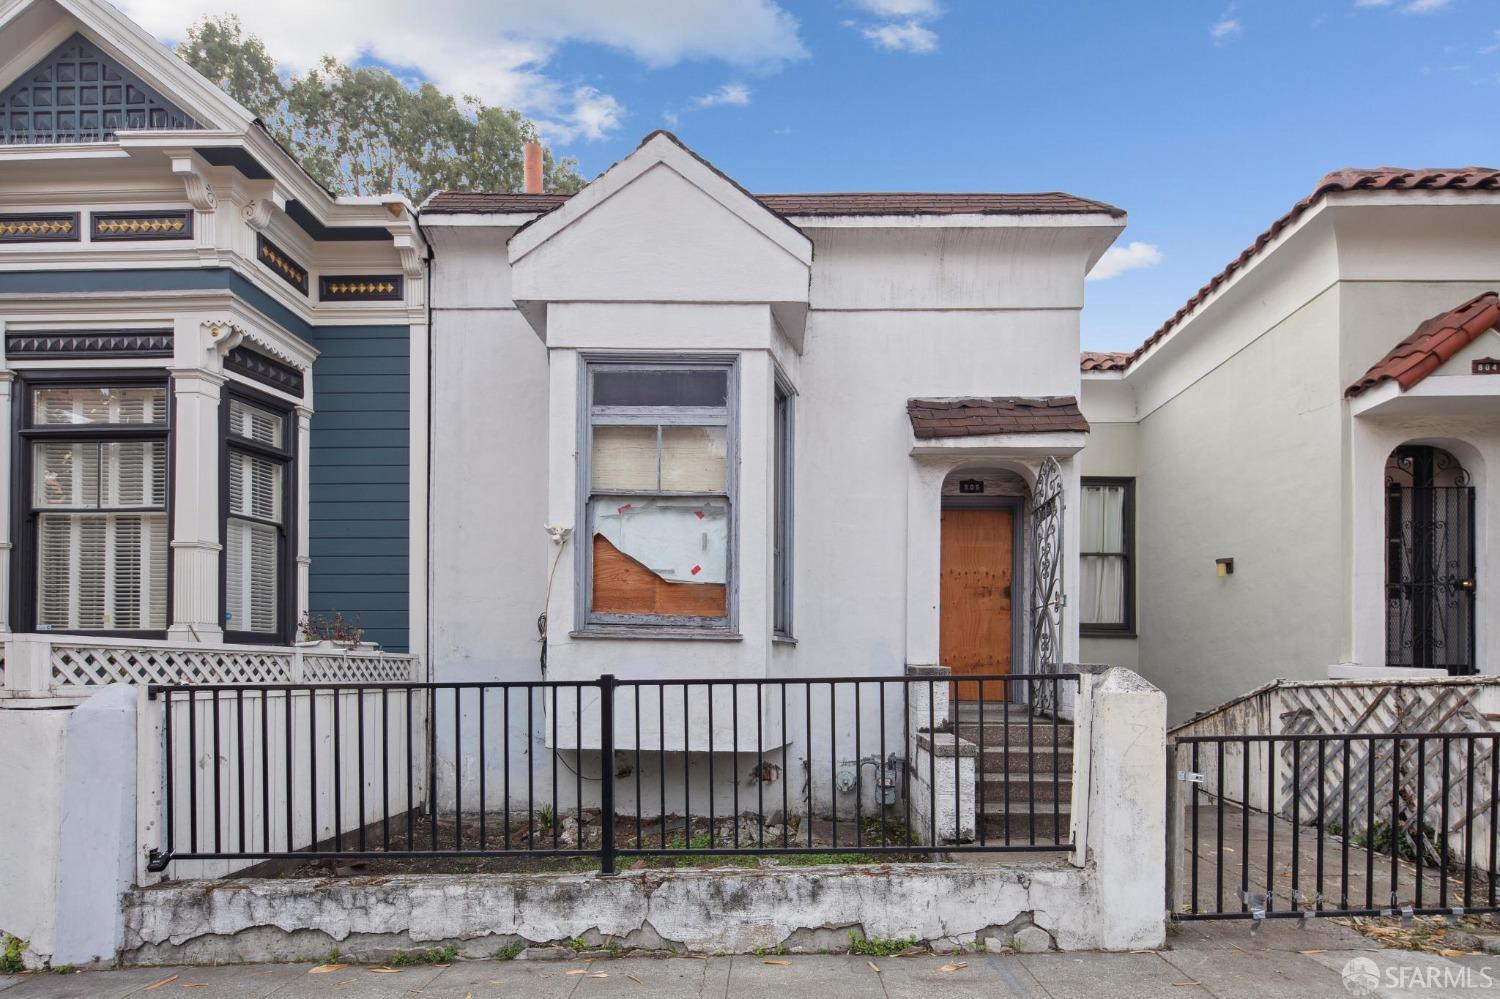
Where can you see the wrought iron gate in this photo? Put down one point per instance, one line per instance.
(1045, 550)
(1430, 576)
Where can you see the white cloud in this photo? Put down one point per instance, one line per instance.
(1410, 6)
(1224, 29)
(905, 37)
(730, 93)
(902, 25)
(1118, 260)
(501, 50)
(900, 8)
(1493, 47)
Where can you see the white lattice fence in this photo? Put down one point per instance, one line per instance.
(89, 665)
(1432, 774)
(357, 668)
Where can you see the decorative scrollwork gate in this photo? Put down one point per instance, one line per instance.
(1044, 542)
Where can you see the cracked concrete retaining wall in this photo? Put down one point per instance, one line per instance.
(727, 910)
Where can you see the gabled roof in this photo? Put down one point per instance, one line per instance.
(933, 418)
(810, 205)
(1432, 344)
(663, 148)
(1340, 181)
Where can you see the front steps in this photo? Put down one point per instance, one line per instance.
(1024, 772)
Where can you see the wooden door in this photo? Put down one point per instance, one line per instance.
(976, 597)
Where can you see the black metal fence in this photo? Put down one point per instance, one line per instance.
(1336, 825)
(612, 769)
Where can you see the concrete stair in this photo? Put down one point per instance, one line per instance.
(1015, 771)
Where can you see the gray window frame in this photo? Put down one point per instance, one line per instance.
(783, 477)
(586, 622)
(1126, 628)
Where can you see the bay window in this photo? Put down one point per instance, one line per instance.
(257, 484)
(1107, 557)
(93, 457)
(658, 461)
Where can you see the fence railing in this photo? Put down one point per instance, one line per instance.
(613, 769)
(64, 666)
(1299, 826)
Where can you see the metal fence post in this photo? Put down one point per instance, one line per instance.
(606, 773)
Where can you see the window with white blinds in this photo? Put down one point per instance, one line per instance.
(256, 504)
(98, 469)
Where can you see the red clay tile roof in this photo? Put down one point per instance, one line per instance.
(822, 205)
(1352, 179)
(1432, 344)
(1099, 360)
(486, 203)
(932, 418)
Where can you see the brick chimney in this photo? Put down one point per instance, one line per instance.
(532, 173)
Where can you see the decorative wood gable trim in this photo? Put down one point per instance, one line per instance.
(258, 367)
(39, 227)
(121, 226)
(360, 288)
(79, 94)
(61, 344)
(282, 265)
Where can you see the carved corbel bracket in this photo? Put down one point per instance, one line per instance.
(193, 172)
(410, 253)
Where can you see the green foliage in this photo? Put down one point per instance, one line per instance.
(440, 955)
(776, 951)
(879, 946)
(545, 817)
(359, 130)
(1378, 840)
(510, 951)
(11, 961)
(402, 960)
(578, 943)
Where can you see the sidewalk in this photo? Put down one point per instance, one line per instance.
(1204, 960)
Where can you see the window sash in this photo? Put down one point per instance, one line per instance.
(95, 554)
(781, 539)
(1107, 558)
(663, 418)
(259, 486)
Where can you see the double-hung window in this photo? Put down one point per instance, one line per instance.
(258, 464)
(658, 463)
(1107, 557)
(96, 474)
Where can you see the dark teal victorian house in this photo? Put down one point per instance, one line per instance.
(214, 372)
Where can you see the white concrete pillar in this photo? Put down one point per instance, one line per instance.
(1127, 809)
(96, 855)
(195, 507)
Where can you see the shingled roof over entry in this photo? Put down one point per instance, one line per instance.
(937, 418)
(1432, 344)
(829, 205)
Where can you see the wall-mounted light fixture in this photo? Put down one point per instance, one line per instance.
(1225, 566)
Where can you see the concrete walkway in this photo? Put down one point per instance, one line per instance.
(1203, 960)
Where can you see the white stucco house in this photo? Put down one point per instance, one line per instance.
(699, 431)
(1304, 453)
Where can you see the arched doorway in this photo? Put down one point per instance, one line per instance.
(1429, 576)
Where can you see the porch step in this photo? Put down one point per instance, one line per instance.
(1040, 790)
(1017, 760)
(994, 825)
(998, 733)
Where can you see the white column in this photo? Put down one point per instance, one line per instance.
(6, 457)
(195, 508)
(304, 507)
(417, 470)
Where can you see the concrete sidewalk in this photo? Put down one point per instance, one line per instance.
(1204, 960)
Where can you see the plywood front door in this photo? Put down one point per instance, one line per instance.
(975, 626)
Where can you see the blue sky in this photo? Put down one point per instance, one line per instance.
(1204, 120)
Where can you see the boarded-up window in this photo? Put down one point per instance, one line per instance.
(659, 507)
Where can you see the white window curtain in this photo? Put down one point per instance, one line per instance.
(1104, 565)
(101, 533)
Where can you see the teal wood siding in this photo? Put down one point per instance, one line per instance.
(360, 514)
